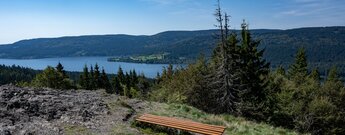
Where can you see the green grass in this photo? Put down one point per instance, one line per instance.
(121, 129)
(76, 130)
(234, 125)
(113, 105)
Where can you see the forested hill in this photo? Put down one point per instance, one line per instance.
(323, 44)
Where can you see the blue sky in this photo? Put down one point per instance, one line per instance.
(25, 19)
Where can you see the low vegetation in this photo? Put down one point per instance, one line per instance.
(235, 125)
(76, 130)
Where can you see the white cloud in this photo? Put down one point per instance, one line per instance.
(165, 2)
(290, 12)
(314, 8)
(305, 1)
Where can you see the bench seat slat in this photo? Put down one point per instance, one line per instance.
(175, 125)
(220, 128)
(186, 123)
(182, 124)
(182, 128)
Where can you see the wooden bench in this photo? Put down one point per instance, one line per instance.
(182, 124)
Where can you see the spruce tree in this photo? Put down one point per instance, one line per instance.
(239, 73)
(315, 75)
(164, 74)
(128, 85)
(299, 69)
(61, 70)
(117, 86)
(120, 76)
(333, 84)
(81, 81)
(97, 78)
(62, 78)
(198, 96)
(170, 71)
(333, 75)
(105, 83)
(143, 84)
(255, 71)
(131, 82)
(224, 79)
(85, 79)
(280, 70)
(92, 78)
(134, 78)
(158, 78)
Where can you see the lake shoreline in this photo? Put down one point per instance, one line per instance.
(76, 64)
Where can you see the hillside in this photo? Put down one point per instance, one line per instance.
(324, 45)
(48, 111)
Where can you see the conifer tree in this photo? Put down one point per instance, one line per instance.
(105, 83)
(117, 86)
(164, 74)
(142, 75)
(170, 71)
(127, 85)
(143, 84)
(224, 79)
(85, 79)
(81, 81)
(133, 78)
(127, 79)
(255, 71)
(92, 78)
(120, 76)
(299, 68)
(333, 84)
(158, 78)
(61, 70)
(333, 75)
(131, 82)
(97, 78)
(62, 77)
(198, 96)
(280, 70)
(315, 75)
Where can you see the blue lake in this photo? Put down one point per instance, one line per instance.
(77, 64)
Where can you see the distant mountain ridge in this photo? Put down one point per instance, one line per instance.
(323, 44)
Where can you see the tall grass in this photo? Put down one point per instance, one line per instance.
(234, 125)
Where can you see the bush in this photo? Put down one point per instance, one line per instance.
(51, 78)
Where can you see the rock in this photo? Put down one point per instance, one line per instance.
(47, 111)
(5, 132)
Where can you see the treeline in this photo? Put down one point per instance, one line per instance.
(15, 74)
(175, 60)
(238, 81)
(123, 83)
(92, 78)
